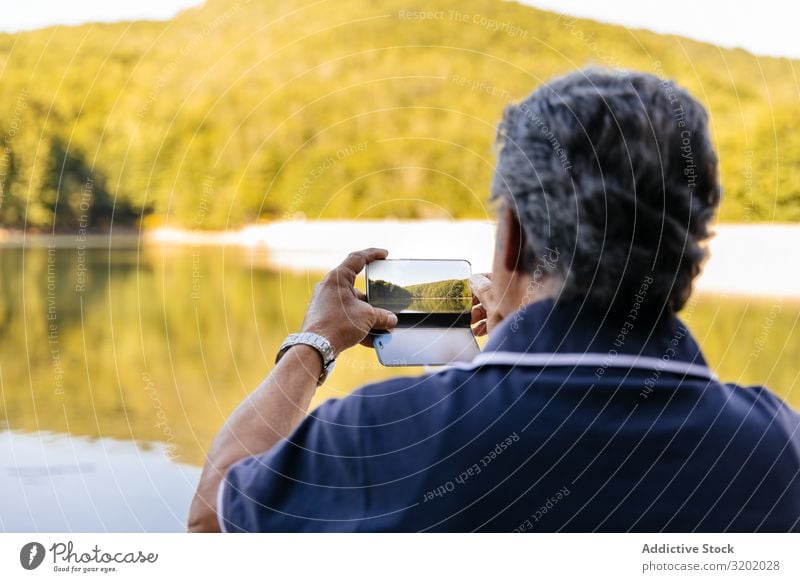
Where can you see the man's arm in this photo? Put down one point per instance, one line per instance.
(337, 312)
(265, 417)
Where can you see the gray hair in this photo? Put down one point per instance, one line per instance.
(615, 172)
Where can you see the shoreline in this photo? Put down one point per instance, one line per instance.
(747, 260)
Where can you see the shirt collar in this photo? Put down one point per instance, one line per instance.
(575, 327)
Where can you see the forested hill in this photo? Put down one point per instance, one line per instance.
(254, 110)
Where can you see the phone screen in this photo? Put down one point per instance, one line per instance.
(432, 300)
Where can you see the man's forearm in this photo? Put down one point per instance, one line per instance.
(267, 415)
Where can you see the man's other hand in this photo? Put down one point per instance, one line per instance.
(339, 312)
(484, 305)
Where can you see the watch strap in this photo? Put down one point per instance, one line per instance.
(316, 341)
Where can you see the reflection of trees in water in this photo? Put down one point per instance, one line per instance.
(52, 276)
(144, 360)
(438, 304)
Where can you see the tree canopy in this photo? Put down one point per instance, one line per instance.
(240, 111)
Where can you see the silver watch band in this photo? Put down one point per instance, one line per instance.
(316, 341)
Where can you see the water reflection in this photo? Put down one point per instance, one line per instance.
(150, 345)
(57, 483)
(159, 344)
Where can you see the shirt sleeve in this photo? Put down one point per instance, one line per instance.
(312, 481)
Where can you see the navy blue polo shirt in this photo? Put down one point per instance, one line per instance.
(568, 421)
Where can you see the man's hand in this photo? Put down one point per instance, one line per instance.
(484, 305)
(339, 312)
(272, 411)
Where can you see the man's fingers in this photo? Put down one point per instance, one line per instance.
(355, 261)
(478, 314)
(488, 276)
(384, 319)
(480, 283)
(368, 341)
(482, 288)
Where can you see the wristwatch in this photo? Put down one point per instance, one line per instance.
(316, 341)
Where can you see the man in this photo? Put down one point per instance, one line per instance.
(591, 408)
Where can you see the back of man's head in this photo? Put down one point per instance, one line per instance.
(613, 173)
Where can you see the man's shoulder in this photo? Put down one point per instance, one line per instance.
(759, 414)
(409, 386)
(404, 396)
(760, 399)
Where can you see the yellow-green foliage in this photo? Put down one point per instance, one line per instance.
(448, 295)
(239, 111)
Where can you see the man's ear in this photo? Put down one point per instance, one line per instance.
(513, 243)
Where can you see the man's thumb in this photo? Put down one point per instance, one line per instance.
(384, 319)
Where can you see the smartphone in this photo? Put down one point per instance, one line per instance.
(433, 302)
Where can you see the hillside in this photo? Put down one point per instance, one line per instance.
(243, 111)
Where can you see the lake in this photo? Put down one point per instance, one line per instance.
(117, 367)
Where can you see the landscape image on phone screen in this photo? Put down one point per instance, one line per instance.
(420, 286)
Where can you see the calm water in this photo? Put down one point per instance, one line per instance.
(118, 367)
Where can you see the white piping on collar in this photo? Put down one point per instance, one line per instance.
(220, 512)
(595, 360)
